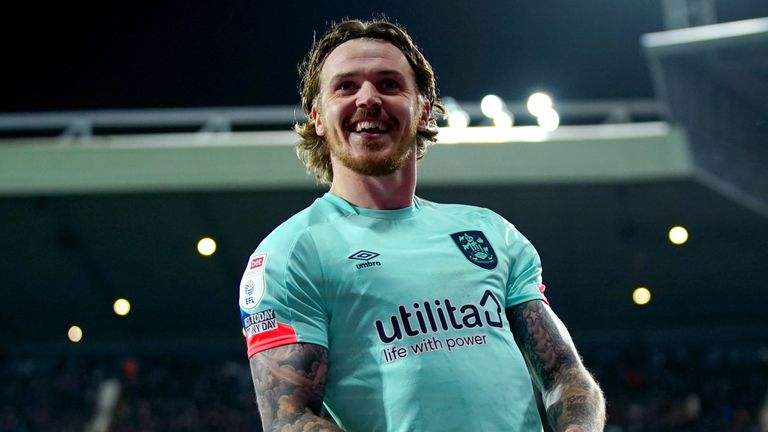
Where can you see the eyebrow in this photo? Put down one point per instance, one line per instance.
(385, 73)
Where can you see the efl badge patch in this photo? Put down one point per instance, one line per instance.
(253, 284)
(476, 248)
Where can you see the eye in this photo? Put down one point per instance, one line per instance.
(389, 85)
(345, 86)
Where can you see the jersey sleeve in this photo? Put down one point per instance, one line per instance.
(280, 299)
(525, 280)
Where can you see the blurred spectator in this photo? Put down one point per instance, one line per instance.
(649, 389)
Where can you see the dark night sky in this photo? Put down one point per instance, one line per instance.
(598, 239)
(133, 54)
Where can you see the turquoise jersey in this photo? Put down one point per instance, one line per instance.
(410, 305)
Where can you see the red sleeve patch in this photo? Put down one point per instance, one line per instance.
(543, 288)
(282, 335)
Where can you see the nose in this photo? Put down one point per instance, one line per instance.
(368, 96)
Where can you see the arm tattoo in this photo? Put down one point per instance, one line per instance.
(571, 396)
(290, 382)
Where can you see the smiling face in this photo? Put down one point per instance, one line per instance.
(369, 109)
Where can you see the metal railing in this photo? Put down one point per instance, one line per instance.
(83, 124)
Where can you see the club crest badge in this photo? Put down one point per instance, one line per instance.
(476, 248)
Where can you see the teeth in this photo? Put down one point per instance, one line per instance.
(364, 125)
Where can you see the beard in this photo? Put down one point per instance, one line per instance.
(375, 163)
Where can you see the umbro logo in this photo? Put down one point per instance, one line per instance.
(363, 255)
(366, 257)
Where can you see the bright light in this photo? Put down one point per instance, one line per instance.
(75, 334)
(678, 235)
(121, 306)
(549, 120)
(491, 106)
(206, 246)
(641, 296)
(539, 103)
(485, 134)
(458, 119)
(503, 120)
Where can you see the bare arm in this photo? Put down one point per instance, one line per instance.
(290, 381)
(572, 398)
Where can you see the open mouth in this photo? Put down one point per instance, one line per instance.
(369, 127)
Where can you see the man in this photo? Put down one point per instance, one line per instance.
(395, 313)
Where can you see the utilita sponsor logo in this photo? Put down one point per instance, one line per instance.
(431, 317)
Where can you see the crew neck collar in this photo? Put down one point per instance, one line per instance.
(402, 213)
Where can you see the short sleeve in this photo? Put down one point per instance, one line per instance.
(525, 280)
(280, 299)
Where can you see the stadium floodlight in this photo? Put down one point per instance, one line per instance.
(678, 235)
(75, 334)
(548, 120)
(206, 246)
(121, 307)
(539, 103)
(458, 119)
(491, 106)
(503, 120)
(641, 296)
(457, 116)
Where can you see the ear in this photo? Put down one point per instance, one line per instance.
(424, 120)
(319, 128)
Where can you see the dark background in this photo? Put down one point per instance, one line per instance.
(68, 257)
(139, 54)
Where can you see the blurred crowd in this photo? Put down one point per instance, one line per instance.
(649, 389)
(47, 394)
(683, 388)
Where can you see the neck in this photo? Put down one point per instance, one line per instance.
(389, 192)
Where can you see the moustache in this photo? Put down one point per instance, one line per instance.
(374, 115)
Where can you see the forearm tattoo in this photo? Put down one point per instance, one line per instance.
(571, 396)
(289, 382)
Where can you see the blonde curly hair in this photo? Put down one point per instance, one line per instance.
(312, 148)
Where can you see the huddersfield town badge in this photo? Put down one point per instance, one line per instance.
(476, 248)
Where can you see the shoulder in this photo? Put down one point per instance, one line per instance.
(479, 218)
(464, 211)
(298, 226)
